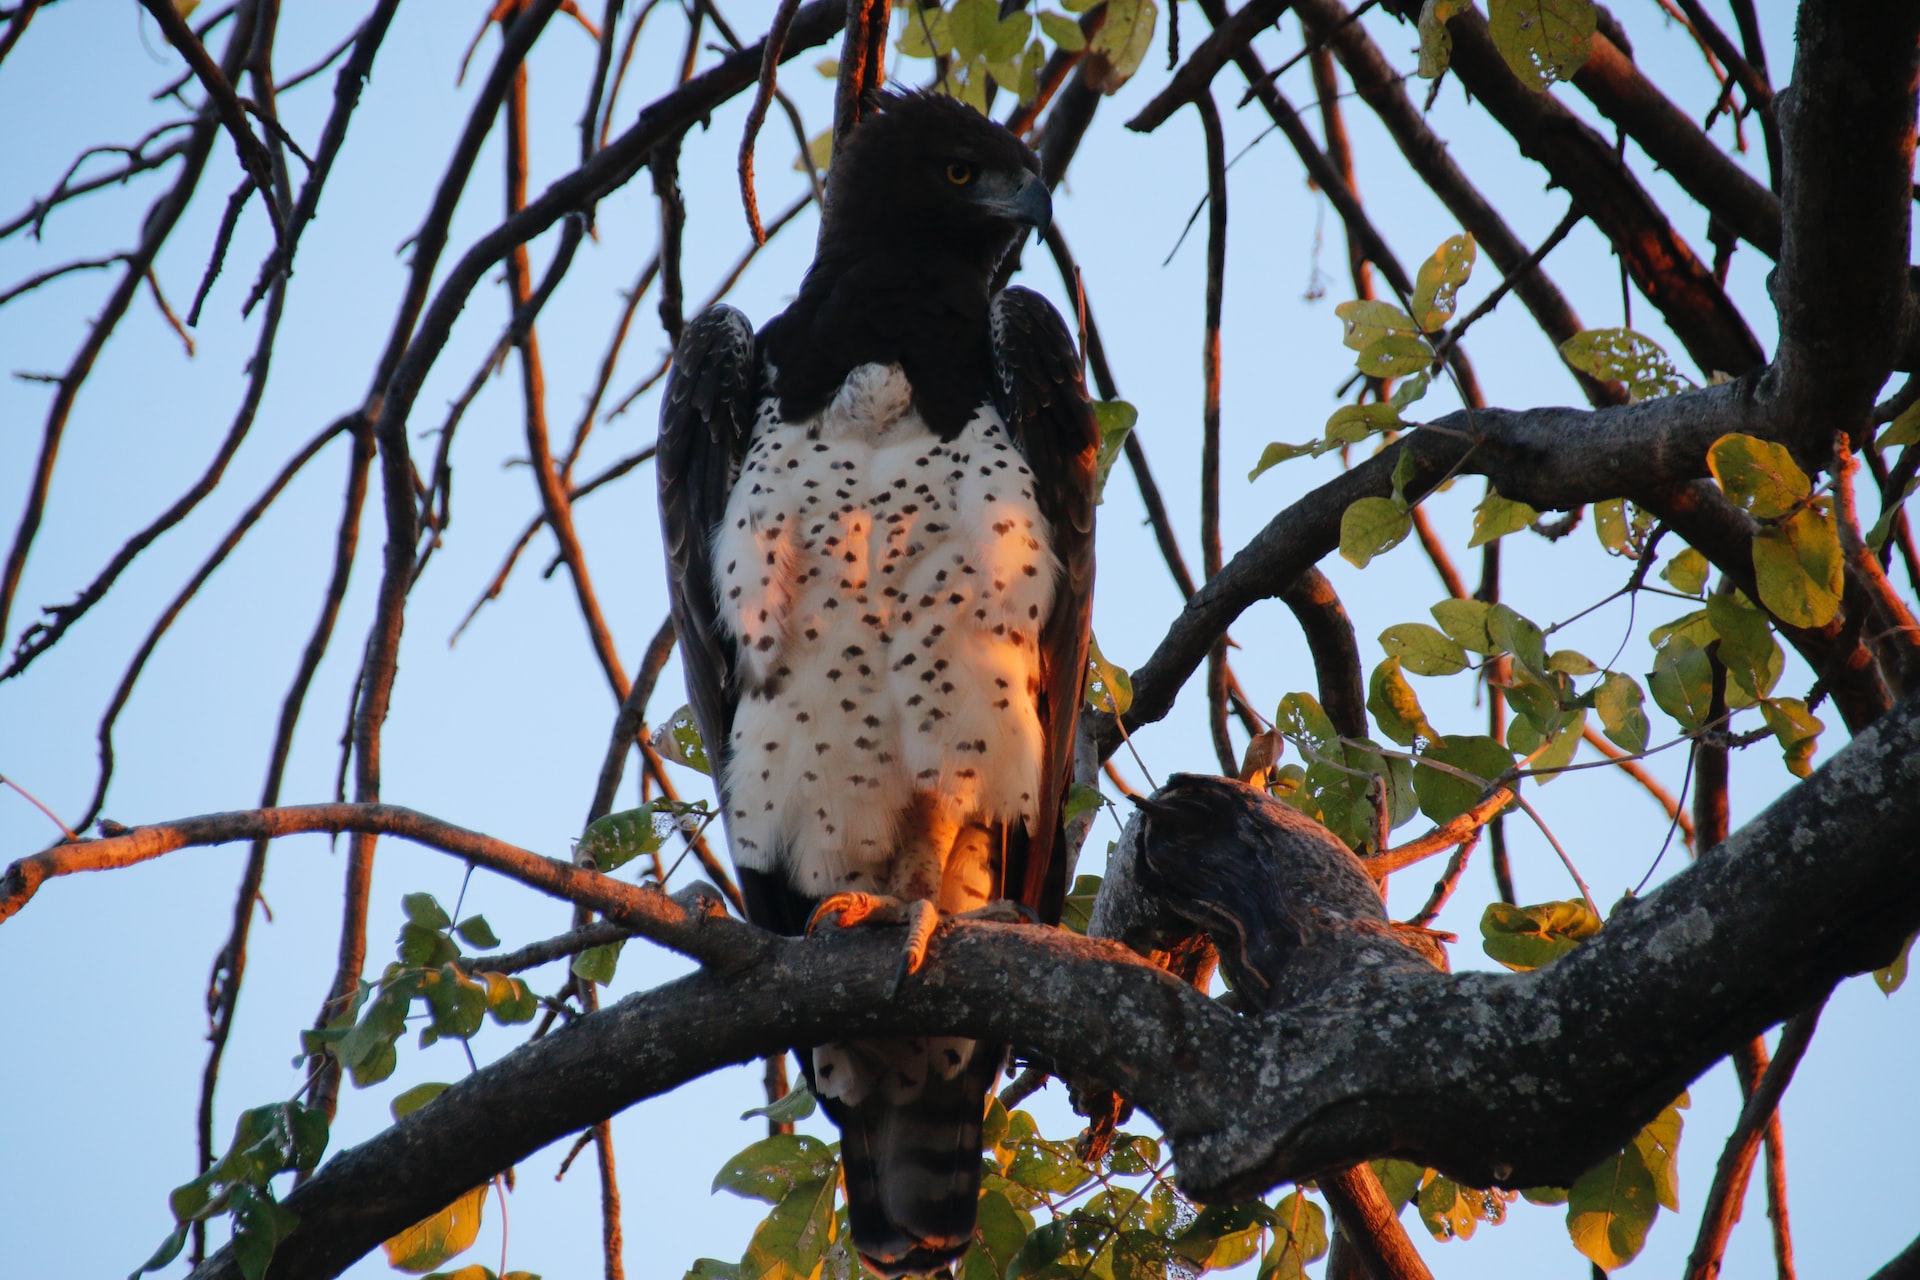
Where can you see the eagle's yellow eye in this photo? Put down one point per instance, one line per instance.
(959, 172)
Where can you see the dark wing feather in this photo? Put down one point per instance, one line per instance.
(706, 421)
(1042, 396)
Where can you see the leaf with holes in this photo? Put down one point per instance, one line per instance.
(1621, 355)
(1394, 356)
(1440, 278)
(1365, 322)
(770, 1168)
(1395, 706)
(1436, 42)
(618, 838)
(1542, 41)
(1299, 1237)
(1353, 423)
(679, 740)
(1109, 687)
(1758, 476)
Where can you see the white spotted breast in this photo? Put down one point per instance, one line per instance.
(886, 591)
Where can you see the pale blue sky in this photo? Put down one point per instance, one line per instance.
(101, 1046)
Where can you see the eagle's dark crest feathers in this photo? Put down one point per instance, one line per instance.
(924, 200)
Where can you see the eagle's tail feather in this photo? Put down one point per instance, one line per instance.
(913, 1168)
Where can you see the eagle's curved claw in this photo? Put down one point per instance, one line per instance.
(846, 910)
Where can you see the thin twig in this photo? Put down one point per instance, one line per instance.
(1210, 552)
(776, 42)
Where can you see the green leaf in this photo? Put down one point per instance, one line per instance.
(1009, 38)
(1078, 908)
(458, 1001)
(771, 1168)
(1394, 355)
(1441, 276)
(1542, 41)
(476, 932)
(1682, 682)
(509, 1000)
(798, 1104)
(1799, 567)
(1278, 452)
(1081, 798)
(424, 948)
(1610, 1208)
(1299, 1237)
(1618, 700)
(259, 1225)
(1000, 1230)
(1353, 423)
(424, 910)
(1115, 418)
(925, 35)
(1062, 30)
(972, 24)
(1571, 662)
(1109, 687)
(1436, 42)
(413, 1099)
(713, 1268)
(1758, 476)
(1883, 527)
(1409, 390)
(1687, 572)
(1223, 1235)
(169, 1250)
(472, 1271)
(1696, 627)
(1523, 938)
(1753, 660)
(618, 838)
(439, 1236)
(1121, 44)
(597, 964)
(1888, 979)
(1624, 356)
(1423, 650)
(679, 741)
(1561, 732)
(1516, 635)
(790, 1242)
(1371, 527)
(1365, 322)
(1446, 1209)
(1797, 730)
(1045, 1166)
(1400, 1179)
(1395, 706)
(1496, 517)
(1903, 430)
(1465, 622)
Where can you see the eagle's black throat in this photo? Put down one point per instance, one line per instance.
(904, 269)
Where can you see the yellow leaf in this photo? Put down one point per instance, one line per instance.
(1799, 568)
(1440, 279)
(1543, 40)
(1758, 476)
(432, 1240)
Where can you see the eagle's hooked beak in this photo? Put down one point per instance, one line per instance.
(1028, 203)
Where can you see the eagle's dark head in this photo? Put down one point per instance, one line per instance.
(924, 168)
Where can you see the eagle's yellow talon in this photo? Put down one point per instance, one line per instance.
(847, 910)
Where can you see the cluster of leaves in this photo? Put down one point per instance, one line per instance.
(1390, 342)
(282, 1137)
(980, 46)
(364, 1035)
(1044, 1213)
(1542, 41)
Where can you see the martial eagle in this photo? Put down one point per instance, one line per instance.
(878, 516)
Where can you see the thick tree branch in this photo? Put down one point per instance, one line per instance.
(1370, 1059)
